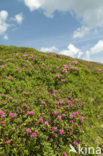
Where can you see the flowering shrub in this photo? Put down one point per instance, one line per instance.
(42, 108)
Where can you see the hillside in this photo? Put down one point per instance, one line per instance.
(47, 102)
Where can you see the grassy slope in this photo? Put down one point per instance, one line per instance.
(85, 84)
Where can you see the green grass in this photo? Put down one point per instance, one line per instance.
(20, 73)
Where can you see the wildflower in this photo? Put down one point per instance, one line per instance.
(71, 121)
(75, 142)
(71, 127)
(71, 116)
(55, 135)
(64, 154)
(8, 142)
(46, 123)
(30, 112)
(10, 98)
(63, 114)
(59, 117)
(3, 116)
(2, 94)
(1, 112)
(12, 114)
(81, 118)
(61, 131)
(41, 120)
(55, 112)
(24, 104)
(34, 134)
(28, 130)
(54, 128)
(43, 102)
(75, 99)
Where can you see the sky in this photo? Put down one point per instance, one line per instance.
(68, 27)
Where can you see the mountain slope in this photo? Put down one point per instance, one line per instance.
(48, 101)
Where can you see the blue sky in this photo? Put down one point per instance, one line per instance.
(63, 26)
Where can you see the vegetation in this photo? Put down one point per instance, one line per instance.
(47, 102)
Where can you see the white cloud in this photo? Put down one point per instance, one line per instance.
(90, 12)
(50, 49)
(80, 32)
(3, 21)
(97, 48)
(72, 51)
(5, 37)
(18, 18)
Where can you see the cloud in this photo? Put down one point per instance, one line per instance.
(5, 37)
(50, 49)
(89, 12)
(3, 21)
(72, 51)
(80, 32)
(18, 18)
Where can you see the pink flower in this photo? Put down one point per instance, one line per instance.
(1, 112)
(10, 98)
(8, 142)
(3, 116)
(64, 154)
(71, 121)
(54, 128)
(61, 131)
(71, 127)
(55, 112)
(34, 134)
(75, 113)
(71, 116)
(24, 104)
(31, 93)
(81, 118)
(2, 94)
(75, 142)
(41, 120)
(59, 117)
(12, 114)
(30, 112)
(55, 134)
(75, 99)
(63, 114)
(46, 123)
(28, 130)
(43, 102)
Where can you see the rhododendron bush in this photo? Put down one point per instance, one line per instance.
(47, 103)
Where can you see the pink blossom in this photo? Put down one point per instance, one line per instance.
(71, 121)
(63, 114)
(12, 114)
(55, 134)
(75, 142)
(75, 113)
(10, 98)
(2, 94)
(8, 142)
(81, 118)
(59, 117)
(30, 112)
(5, 103)
(28, 130)
(71, 127)
(43, 102)
(64, 154)
(1, 112)
(24, 104)
(55, 112)
(75, 99)
(54, 128)
(41, 120)
(34, 134)
(71, 116)
(3, 116)
(61, 131)
(31, 93)
(46, 123)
